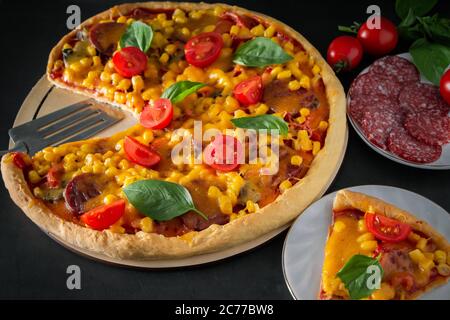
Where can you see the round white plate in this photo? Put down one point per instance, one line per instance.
(45, 98)
(443, 163)
(305, 243)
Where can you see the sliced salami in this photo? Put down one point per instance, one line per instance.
(377, 124)
(407, 147)
(374, 85)
(428, 128)
(418, 97)
(358, 106)
(395, 68)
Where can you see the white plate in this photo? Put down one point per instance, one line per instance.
(443, 163)
(303, 249)
(45, 98)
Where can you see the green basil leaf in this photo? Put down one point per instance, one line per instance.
(160, 200)
(265, 121)
(420, 7)
(260, 52)
(354, 274)
(138, 34)
(180, 90)
(432, 59)
(436, 29)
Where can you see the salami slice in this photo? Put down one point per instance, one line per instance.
(417, 97)
(374, 85)
(429, 128)
(395, 68)
(377, 124)
(359, 105)
(407, 147)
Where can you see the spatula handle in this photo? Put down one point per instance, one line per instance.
(18, 147)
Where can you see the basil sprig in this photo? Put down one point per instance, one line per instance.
(160, 200)
(265, 121)
(138, 34)
(419, 7)
(431, 59)
(180, 90)
(260, 52)
(355, 275)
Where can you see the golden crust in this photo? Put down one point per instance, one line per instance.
(146, 246)
(346, 200)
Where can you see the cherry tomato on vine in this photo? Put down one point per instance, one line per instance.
(378, 41)
(445, 86)
(344, 53)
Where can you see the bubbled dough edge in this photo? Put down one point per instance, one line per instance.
(150, 246)
(346, 199)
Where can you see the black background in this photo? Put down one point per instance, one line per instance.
(34, 266)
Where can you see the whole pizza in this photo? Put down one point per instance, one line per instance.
(180, 68)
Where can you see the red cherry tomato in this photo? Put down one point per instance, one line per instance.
(223, 153)
(140, 153)
(103, 217)
(380, 41)
(203, 49)
(387, 229)
(445, 86)
(18, 160)
(249, 91)
(344, 53)
(158, 115)
(130, 61)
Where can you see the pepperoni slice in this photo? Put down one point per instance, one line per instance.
(374, 85)
(428, 128)
(79, 190)
(417, 97)
(395, 68)
(407, 147)
(377, 124)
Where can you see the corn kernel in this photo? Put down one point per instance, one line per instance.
(414, 237)
(386, 292)
(323, 125)
(34, 176)
(275, 71)
(305, 112)
(339, 226)
(300, 119)
(417, 256)
(422, 244)
(316, 147)
(365, 237)
(122, 19)
(294, 85)
(258, 31)
(269, 32)
(316, 69)
(110, 198)
(426, 265)
(443, 269)
(164, 58)
(362, 225)
(286, 184)
(146, 224)
(225, 204)
(286, 74)
(296, 160)
(369, 245)
(440, 256)
(214, 192)
(234, 30)
(305, 82)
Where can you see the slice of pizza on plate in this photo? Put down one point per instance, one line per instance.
(377, 251)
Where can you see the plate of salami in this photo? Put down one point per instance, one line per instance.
(400, 114)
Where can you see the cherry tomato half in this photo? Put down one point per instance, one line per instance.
(223, 153)
(18, 160)
(140, 153)
(158, 115)
(378, 41)
(203, 49)
(130, 61)
(249, 91)
(387, 229)
(445, 86)
(344, 53)
(103, 217)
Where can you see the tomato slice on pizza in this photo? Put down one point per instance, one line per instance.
(370, 238)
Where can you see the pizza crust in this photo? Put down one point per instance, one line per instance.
(147, 246)
(346, 200)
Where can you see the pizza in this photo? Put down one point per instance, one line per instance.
(174, 65)
(398, 113)
(411, 256)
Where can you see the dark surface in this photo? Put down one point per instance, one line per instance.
(34, 266)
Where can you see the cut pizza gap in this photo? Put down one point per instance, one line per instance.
(365, 232)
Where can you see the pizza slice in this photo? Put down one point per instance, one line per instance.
(370, 238)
